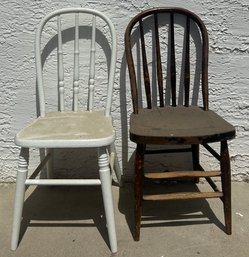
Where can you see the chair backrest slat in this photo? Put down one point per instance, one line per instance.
(61, 82)
(205, 67)
(159, 63)
(145, 66)
(92, 66)
(76, 65)
(187, 64)
(172, 60)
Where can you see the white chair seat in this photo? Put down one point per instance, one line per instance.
(68, 129)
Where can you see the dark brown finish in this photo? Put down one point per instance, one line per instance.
(178, 125)
(226, 185)
(163, 124)
(159, 63)
(139, 170)
(129, 57)
(182, 196)
(172, 60)
(187, 64)
(182, 174)
(145, 66)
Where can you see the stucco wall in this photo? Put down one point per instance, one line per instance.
(227, 22)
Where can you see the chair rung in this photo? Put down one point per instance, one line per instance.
(182, 196)
(63, 182)
(181, 174)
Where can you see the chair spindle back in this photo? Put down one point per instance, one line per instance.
(78, 16)
(137, 24)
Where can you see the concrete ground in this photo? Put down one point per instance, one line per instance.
(68, 221)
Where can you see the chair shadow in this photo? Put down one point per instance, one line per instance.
(65, 207)
(167, 213)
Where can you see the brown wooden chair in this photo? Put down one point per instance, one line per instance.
(166, 112)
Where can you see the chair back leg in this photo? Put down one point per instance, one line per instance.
(114, 164)
(50, 162)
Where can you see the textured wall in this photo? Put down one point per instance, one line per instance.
(228, 73)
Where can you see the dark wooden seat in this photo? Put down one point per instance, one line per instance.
(178, 125)
(163, 111)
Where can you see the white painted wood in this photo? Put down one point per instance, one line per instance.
(104, 172)
(44, 161)
(19, 196)
(50, 162)
(92, 66)
(113, 57)
(70, 129)
(114, 164)
(60, 67)
(63, 182)
(76, 65)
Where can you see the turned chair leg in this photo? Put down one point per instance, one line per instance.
(105, 177)
(139, 166)
(19, 196)
(226, 186)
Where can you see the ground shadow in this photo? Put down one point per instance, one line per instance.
(167, 213)
(65, 206)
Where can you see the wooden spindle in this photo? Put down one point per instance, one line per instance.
(145, 67)
(172, 60)
(92, 65)
(187, 64)
(205, 68)
(159, 63)
(76, 65)
(60, 66)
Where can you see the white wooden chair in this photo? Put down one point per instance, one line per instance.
(74, 128)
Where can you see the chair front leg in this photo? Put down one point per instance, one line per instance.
(226, 186)
(104, 172)
(19, 196)
(138, 181)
